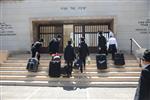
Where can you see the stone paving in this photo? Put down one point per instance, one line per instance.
(65, 93)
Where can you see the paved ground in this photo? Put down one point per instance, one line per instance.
(65, 93)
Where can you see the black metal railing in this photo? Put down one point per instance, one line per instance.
(136, 43)
(131, 49)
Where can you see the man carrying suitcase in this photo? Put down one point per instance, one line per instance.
(69, 56)
(83, 53)
(53, 46)
(36, 49)
(112, 46)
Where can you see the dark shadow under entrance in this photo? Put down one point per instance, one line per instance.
(71, 29)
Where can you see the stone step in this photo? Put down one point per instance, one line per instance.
(13, 72)
(84, 79)
(71, 84)
(42, 73)
(47, 64)
(91, 69)
(47, 61)
(47, 57)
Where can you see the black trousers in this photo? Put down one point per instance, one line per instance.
(83, 63)
(112, 49)
(69, 67)
(34, 51)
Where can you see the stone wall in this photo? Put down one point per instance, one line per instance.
(17, 16)
(3, 55)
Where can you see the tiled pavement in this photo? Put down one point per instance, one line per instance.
(65, 93)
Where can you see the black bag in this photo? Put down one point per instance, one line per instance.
(54, 69)
(77, 63)
(101, 61)
(32, 65)
(119, 59)
(64, 70)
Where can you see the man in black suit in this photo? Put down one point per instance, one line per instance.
(102, 48)
(53, 46)
(143, 89)
(83, 53)
(69, 56)
(35, 49)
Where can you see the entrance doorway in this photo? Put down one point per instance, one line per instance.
(72, 29)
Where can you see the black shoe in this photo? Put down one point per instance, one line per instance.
(70, 75)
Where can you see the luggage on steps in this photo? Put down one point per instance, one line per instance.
(119, 59)
(54, 69)
(32, 65)
(64, 70)
(101, 61)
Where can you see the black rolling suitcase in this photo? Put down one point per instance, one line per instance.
(119, 59)
(77, 63)
(54, 69)
(32, 65)
(101, 61)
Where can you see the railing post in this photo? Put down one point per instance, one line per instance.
(140, 64)
(131, 47)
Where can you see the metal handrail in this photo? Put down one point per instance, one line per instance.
(136, 43)
(131, 50)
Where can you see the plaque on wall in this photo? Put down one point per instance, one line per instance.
(6, 29)
(144, 26)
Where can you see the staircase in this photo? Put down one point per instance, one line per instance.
(13, 72)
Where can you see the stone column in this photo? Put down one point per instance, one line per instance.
(68, 29)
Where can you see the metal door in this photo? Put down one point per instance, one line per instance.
(90, 32)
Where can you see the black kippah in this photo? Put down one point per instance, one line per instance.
(146, 55)
(69, 42)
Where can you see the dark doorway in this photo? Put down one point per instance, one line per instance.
(88, 28)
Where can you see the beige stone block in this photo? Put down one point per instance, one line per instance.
(3, 55)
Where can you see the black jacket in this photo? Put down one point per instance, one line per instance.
(53, 46)
(143, 90)
(101, 41)
(36, 46)
(69, 54)
(83, 50)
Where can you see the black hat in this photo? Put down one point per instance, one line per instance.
(69, 42)
(58, 36)
(146, 55)
(41, 40)
(100, 32)
(82, 38)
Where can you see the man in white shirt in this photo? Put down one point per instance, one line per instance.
(112, 46)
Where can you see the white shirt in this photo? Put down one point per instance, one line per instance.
(112, 40)
(144, 66)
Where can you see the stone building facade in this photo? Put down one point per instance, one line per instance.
(19, 20)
